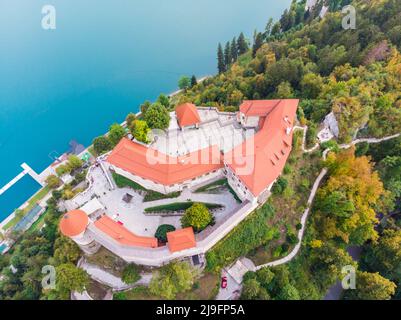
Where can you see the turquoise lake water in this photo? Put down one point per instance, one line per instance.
(102, 61)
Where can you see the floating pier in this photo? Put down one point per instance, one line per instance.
(26, 170)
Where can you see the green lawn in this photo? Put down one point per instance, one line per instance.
(123, 182)
(31, 203)
(179, 206)
(212, 186)
(138, 293)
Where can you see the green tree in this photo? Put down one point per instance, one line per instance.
(234, 49)
(252, 290)
(197, 216)
(140, 130)
(171, 279)
(131, 274)
(194, 81)
(161, 232)
(157, 116)
(74, 162)
(221, 66)
(242, 44)
(101, 145)
(65, 251)
(164, 101)
(285, 91)
(227, 55)
(131, 117)
(371, 286)
(258, 43)
(289, 292)
(184, 83)
(144, 107)
(71, 278)
(53, 181)
(311, 85)
(116, 133)
(268, 28)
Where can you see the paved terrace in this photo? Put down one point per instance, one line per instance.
(217, 128)
(162, 255)
(132, 214)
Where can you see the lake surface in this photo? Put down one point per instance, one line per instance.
(101, 62)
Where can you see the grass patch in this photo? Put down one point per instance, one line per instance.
(38, 224)
(137, 293)
(123, 182)
(212, 186)
(154, 195)
(180, 206)
(216, 185)
(107, 261)
(32, 202)
(249, 234)
(97, 290)
(206, 288)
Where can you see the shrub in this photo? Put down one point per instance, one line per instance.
(154, 195)
(140, 130)
(161, 232)
(157, 116)
(123, 182)
(292, 238)
(131, 274)
(53, 181)
(116, 133)
(279, 186)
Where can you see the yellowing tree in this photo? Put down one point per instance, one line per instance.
(345, 205)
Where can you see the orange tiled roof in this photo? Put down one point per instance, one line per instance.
(187, 115)
(73, 223)
(260, 108)
(160, 168)
(122, 235)
(272, 144)
(181, 239)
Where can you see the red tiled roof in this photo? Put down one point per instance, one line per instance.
(270, 149)
(181, 239)
(153, 165)
(260, 108)
(271, 145)
(73, 223)
(122, 235)
(187, 115)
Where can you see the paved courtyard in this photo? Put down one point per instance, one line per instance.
(216, 129)
(132, 214)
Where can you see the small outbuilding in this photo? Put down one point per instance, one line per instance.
(187, 116)
(181, 239)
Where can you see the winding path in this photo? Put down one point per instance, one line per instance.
(323, 173)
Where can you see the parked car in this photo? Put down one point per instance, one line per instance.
(224, 282)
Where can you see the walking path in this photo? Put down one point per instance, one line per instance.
(110, 280)
(248, 263)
